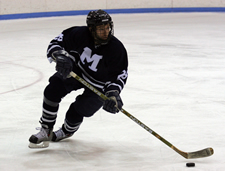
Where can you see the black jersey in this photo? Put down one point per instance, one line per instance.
(104, 67)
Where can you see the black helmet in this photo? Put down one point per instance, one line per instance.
(99, 17)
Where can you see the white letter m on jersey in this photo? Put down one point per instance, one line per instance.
(94, 60)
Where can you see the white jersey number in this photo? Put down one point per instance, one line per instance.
(59, 37)
(93, 60)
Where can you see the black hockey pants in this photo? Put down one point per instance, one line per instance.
(85, 104)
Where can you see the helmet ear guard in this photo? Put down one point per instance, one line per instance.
(96, 18)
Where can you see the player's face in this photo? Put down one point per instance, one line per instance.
(102, 31)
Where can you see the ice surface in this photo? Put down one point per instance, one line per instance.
(176, 86)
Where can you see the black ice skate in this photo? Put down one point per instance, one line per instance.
(42, 138)
(60, 135)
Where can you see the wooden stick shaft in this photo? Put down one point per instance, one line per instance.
(197, 154)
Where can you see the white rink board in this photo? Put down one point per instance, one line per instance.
(32, 6)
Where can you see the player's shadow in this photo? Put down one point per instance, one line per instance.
(90, 150)
(82, 149)
(86, 153)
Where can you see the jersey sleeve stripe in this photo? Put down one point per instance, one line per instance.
(52, 47)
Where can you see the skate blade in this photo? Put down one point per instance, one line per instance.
(43, 144)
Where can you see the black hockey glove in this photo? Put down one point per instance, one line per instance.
(114, 104)
(64, 64)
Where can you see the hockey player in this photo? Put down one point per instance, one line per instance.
(98, 57)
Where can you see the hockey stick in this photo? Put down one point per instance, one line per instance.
(188, 155)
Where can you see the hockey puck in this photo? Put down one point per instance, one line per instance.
(190, 164)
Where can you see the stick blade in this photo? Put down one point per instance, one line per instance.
(201, 153)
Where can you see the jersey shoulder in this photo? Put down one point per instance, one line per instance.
(77, 30)
(116, 43)
(117, 46)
